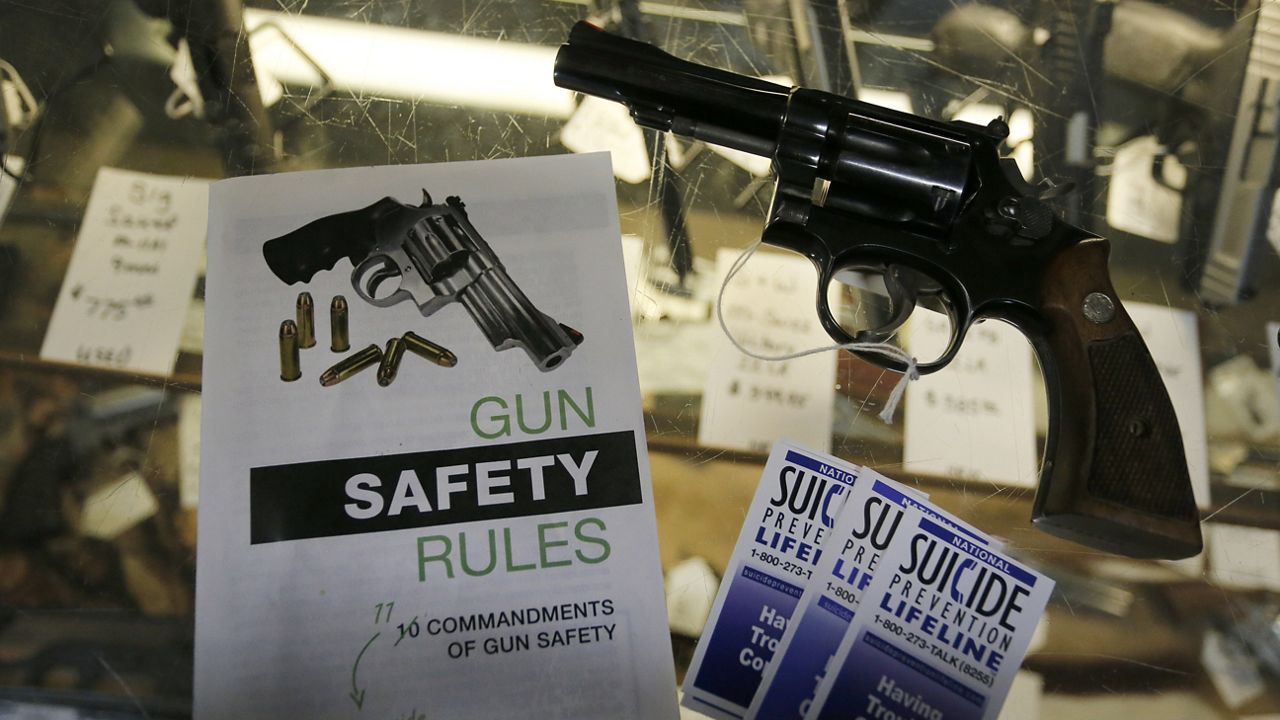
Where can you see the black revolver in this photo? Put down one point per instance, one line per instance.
(438, 257)
(940, 216)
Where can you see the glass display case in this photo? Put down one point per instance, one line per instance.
(1152, 124)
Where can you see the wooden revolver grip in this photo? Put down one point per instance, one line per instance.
(1115, 475)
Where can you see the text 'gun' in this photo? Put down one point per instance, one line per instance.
(436, 256)
(933, 209)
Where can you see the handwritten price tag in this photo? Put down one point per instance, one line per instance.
(975, 418)
(129, 284)
(748, 403)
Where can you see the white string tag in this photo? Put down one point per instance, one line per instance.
(911, 372)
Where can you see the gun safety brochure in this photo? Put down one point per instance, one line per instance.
(425, 490)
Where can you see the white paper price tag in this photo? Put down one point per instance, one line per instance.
(9, 186)
(747, 403)
(1174, 341)
(1233, 672)
(1244, 557)
(126, 292)
(972, 419)
(1136, 202)
(114, 508)
(691, 591)
(189, 451)
(600, 125)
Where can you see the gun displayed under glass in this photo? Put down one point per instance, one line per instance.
(934, 210)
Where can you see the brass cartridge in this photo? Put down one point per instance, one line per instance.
(339, 333)
(350, 365)
(306, 320)
(391, 356)
(423, 347)
(290, 366)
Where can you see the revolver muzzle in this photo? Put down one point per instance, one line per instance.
(509, 320)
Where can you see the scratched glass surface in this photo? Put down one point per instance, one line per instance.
(1151, 124)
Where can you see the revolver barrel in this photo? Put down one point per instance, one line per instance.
(865, 160)
(713, 105)
(508, 319)
(454, 260)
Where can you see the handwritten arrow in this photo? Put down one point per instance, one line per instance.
(357, 695)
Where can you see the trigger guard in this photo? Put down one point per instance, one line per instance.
(829, 323)
(372, 272)
(903, 295)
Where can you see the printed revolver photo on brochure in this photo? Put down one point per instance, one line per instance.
(430, 254)
(935, 211)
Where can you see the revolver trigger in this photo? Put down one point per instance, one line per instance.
(903, 291)
(370, 277)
